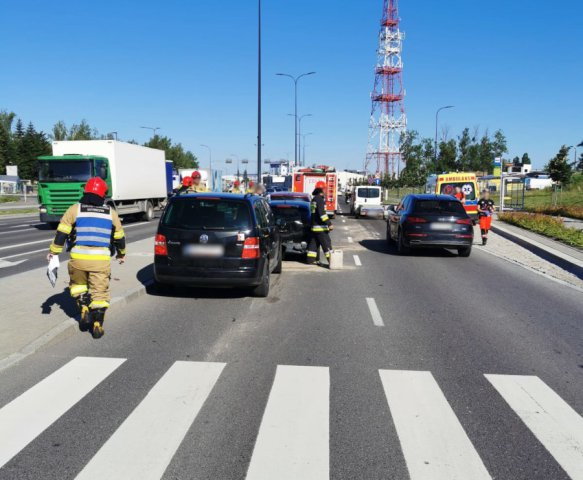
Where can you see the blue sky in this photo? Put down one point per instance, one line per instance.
(189, 67)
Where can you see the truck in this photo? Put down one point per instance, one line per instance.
(304, 181)
(136, 177)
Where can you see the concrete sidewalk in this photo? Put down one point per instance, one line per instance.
(34, 313)
(569, 258)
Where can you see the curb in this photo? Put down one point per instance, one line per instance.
(549, 254)
(70, 324)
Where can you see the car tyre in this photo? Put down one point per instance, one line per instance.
(465, 251)
(262, 290)
(402, 249)
(389, 238)
(279, 266)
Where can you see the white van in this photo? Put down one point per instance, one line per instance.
(366, 201)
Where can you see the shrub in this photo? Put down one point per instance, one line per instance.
(552, 227)
(571, 211)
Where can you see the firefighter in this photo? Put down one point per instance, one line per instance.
(93, 232)
(197, 186)
(251, 187)
(321, 225)
(485, 211)
(186, 184)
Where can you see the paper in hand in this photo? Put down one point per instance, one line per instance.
(53, 270)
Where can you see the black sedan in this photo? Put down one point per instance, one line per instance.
(293, 219)
(435, 221)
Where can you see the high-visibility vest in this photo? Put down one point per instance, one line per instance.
(93, 228)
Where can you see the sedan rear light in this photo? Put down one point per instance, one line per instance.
(160, 247)
(416, 234)
(464, 236)
(251, 248)
(416, 220)
(464, 221)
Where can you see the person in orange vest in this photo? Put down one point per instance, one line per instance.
(460, 195)
(197, 185)
(485, 212)
(93, 232)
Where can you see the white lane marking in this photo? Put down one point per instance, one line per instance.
(556, 425)
(293, 440)
(343, 220)
(350, 240)
(137, 224)
(24, 253)
(27, 416)
(347, 228)
(143, 446)
(434, 443)
(357, 261)
(17, 231)
(27, 225)
(47, 241)
(374, 312)
(7, 264)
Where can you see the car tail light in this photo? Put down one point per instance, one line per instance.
(416, 220)
(464, 221)
(416, 234)
(251, 248)
(160, 247)
(464, 236)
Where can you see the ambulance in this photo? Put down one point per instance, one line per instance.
(446, 183)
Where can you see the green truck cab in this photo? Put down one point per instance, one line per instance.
(61, 181)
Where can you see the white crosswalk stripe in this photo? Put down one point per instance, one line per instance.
(144, 444)
(293, 440)
(434, 443)
(556, 425)
(294, 433)
(27, 416)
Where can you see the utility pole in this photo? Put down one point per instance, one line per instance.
(212, 180)
(259, 97)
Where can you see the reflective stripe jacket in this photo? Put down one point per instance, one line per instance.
(320, 220)
(93, 232)
(200, 188)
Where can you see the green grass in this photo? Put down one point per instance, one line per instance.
(546, 225)
(8, 198)
(17, 211)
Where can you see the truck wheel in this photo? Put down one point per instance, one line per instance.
(148, 214)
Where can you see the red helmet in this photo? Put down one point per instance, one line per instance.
(321, 185)
(196, 174)
(237, 183)
(251, 184)
(187, 182)
(97, 186)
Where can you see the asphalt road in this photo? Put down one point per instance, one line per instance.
(373, 372)
(24, 241)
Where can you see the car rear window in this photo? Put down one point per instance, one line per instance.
(290, 213)
(368, 193)
(466, 187)
(207, 214)
(439, 206)
(284, 196)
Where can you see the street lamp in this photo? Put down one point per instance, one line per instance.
(300, 133)
(436, 124)
(210, 165)
(304, 135)
(296, 80)
(153, 130)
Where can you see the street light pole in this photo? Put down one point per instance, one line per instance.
(210, 166)
(300, 133)
(304, 135)
(153, 130)
(259, 96)
(296, 80)
(436, 126)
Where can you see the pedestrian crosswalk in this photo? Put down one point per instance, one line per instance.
(293, 438)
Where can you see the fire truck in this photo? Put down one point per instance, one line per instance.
(305, 179)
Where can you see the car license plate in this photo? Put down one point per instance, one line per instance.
(440, 226)
(204, 251)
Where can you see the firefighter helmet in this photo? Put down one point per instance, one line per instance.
(251, 184)
(321, 185)
(187, 182)
(97, 186)
(196, 174)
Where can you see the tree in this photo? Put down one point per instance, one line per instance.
(559, 168)
(526, 159)
(485, 154)
(174, 152)
(415, 172)
(447, 158)
(80, 131)
(464, 145)
(499, 144)
(32, 145)
(516, 161)
(60, 131)
(7, 149)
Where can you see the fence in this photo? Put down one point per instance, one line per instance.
(394, 195)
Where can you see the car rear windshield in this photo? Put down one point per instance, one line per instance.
(207, 214)
(286, 196)
(368, 193)
(451, 207)
(290, 213)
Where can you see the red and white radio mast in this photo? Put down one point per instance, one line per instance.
(388, 120)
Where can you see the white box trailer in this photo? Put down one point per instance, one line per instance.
(137, 174)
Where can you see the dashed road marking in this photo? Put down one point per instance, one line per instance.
(350, 240)
(374, 312)
(357, 261)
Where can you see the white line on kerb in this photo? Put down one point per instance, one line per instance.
(357, 261)
(350, 240)
(374, 311)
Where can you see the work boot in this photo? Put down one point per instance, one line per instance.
(97, 318)
(83, 302)
(484, 240)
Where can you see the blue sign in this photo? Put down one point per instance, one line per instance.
(377, 182)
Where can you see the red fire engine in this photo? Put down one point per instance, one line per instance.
(304, 181)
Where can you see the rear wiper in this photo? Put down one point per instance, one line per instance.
(213, 228)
